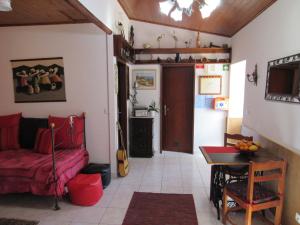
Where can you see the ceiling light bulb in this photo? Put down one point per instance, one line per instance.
(184, 4)
(165, 7)
(206, 11)
(5, 5)
(213, 3)
(176, 15)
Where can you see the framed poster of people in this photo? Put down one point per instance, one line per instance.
(39, 80)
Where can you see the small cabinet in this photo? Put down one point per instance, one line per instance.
(141, 138)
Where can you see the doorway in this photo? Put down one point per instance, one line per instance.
(177, 113)
(123, 96)
(236, 97)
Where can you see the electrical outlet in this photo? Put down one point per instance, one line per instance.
(297, 217)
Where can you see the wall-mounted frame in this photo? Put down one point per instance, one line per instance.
(39, 80)
(283, 79)
(145, 79)
(210, 85)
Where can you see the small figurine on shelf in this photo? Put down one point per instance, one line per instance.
(198, 43)
(121, 28)
(158, 39)
(177, 58)
(212, 45)
(188, 43)
(175, 38)
(131, 36)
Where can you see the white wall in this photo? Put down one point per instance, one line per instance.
(237, 89)
(274, 34)
(83, 48)
(108, 12)
(148, 33)
(145, 97)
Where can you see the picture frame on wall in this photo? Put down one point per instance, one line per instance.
(144, 79)
(210, 85)
(39, 80)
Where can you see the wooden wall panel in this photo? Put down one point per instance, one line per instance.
(291, 201)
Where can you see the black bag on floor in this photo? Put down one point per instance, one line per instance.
(103, 169)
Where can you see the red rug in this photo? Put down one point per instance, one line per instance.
(161, 209)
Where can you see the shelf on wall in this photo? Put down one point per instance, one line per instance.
(123, 50)
(181, 50)
(181, 62)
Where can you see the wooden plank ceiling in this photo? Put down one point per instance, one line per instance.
(44, 12)
(226, 20)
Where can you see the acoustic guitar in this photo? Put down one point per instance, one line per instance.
(122, 159)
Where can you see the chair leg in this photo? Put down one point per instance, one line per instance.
(212, 176)
(278, 214)
(248, 218)
(225, 207)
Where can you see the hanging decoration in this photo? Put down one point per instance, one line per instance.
(176, 8)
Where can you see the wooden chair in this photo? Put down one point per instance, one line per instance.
(253, 196)
(217, 182)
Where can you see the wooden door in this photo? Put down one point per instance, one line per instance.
(177, 108)
(123, 95)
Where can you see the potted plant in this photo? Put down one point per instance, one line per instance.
(152, 109)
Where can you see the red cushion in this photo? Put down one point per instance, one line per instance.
(9, 131)
(43, 141)
(66, 136)
(85, 189)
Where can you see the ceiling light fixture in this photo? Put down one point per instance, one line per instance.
(176, 14)
(165, 7)
(184, 4)
(5, 5)
(179, 7)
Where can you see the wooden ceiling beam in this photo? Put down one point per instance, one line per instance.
(49, 12)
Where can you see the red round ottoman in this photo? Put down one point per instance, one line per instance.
(85, 189)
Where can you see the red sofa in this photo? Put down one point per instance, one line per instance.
(24, 169)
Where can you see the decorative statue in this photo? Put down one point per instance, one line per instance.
(188, 43)
(177, 58)
(158, 39)
(121, 28)
(175, 38)
(131, 36)
(198, 43)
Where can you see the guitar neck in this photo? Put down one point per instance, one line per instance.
(121, 135)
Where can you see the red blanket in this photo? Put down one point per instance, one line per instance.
(26, 171)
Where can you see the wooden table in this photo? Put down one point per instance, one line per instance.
(228, 156)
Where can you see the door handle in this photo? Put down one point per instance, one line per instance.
(165, 110)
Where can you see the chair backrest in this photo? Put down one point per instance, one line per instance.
(260, 172)
(231, 139)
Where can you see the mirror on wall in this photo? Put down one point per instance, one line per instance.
(283, 79)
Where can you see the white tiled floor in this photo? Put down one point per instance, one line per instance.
(165, 173)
